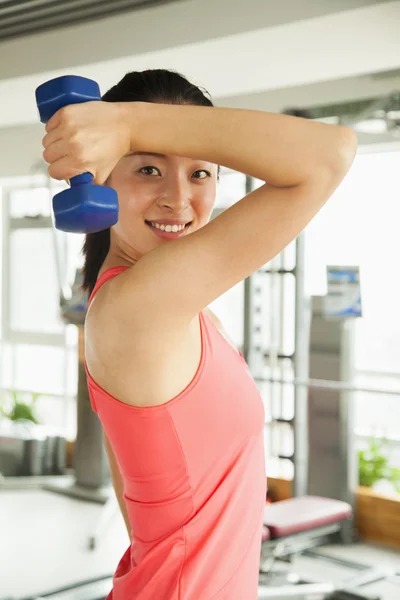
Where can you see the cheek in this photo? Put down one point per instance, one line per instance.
(133, 205)
(204, 204)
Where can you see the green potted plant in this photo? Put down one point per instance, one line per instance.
(374, 465)
(20, 409)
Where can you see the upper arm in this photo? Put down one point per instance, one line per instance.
(177, 280)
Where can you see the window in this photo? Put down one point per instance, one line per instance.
(360, 225)
(38, 350)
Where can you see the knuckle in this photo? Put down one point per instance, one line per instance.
(77, 149)
(66, 114)
(75, 144)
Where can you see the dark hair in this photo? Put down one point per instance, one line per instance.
(155, 85)
(297, 112)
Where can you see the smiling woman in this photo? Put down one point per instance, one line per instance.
(161, 375)
(174, 196)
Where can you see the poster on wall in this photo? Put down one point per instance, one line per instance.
(343, 300)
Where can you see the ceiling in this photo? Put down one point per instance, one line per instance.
(256, 54)
(306, 52)
(23, 17)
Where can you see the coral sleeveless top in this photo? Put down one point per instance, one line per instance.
(194, 480)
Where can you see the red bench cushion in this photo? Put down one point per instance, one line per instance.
(302, 514)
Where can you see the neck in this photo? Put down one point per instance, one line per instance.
(120, 254)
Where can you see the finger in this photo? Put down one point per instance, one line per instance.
(62, 170)
(54, 122)
(50, 138)
(54, 152)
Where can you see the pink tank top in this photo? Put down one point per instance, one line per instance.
(194, 481)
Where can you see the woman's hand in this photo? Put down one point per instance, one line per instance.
(88, 137)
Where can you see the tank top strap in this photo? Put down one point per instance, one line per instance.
(108, 274)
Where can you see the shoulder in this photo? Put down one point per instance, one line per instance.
(121, 318)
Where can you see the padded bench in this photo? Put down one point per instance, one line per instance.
(302, 523)
(298, 515)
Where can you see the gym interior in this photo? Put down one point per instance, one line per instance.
(318, 326)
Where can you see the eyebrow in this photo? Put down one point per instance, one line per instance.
(146, 154)
(156, 154)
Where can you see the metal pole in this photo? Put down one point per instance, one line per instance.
(327, 384)
(301, 367)
(248, 319)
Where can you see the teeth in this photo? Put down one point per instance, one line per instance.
(168, 228)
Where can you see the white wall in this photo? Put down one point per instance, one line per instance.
(260, 54)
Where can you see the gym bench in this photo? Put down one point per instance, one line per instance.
(300, 525)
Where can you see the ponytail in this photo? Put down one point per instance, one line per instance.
(95, 250)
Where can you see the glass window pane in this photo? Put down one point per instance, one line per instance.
(378, 414)
(74, 244)
(37, 369)
(230, 189)
(278, 302)
(1, 261)
(34, 289)
(359, 225)
(229, 308)
(278, 398)
(45, 370)
(30, 202)
(289, 256)
(57, 413)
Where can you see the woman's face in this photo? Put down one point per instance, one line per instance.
(161, 198)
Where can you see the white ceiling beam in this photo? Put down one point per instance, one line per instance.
(325, 48)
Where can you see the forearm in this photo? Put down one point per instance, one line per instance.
(279, 149)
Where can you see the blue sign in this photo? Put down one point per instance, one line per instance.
(343, 299)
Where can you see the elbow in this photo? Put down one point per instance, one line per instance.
(345, 150)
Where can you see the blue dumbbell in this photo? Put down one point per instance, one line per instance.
(85, 207)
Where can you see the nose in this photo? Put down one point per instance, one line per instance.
(176, 195)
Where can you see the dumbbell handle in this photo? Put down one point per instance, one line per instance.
(51, 97)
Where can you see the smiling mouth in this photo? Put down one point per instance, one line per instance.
(168, 228)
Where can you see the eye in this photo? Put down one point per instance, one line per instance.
(148, 168)
(208, 174)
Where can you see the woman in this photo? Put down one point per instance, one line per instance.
(182, 417)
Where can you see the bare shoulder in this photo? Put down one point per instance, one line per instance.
(139, 365)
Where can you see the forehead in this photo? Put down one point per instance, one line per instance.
(167, 157)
